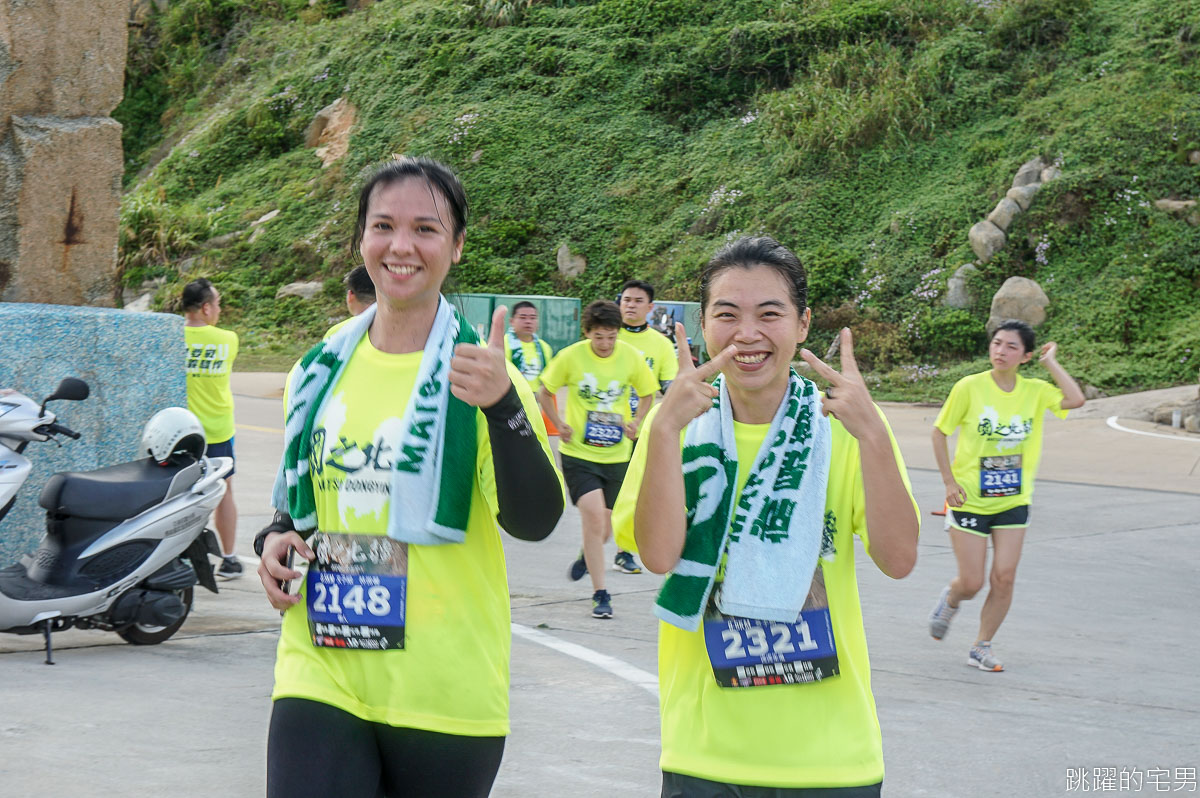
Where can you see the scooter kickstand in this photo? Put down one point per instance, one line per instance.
(49, 646)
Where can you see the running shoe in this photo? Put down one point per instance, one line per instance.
(230, 568)
(939, 619)
(577, 569)
(625, 563)
(981, 657)
(601, 604)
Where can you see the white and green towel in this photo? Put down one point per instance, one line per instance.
(773, 532)
(434, 471)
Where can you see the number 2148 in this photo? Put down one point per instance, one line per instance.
(377, 601)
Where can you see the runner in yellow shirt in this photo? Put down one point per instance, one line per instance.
(749, 497)
(210, 355)
(407, 444)
(989, 487)
(595, 440)
(636, 302)
(522, 346)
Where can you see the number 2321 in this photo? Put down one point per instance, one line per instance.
(758, 641)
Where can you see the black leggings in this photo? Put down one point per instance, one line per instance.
(677, 785)
(318, 750)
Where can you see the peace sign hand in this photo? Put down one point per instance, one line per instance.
(691, 394)
(847, 398)
(478, 375)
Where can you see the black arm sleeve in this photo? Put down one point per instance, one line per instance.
(530, 496)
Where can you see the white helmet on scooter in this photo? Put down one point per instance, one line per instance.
(172, 431)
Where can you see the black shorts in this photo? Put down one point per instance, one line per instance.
(584, 476)
(677, 785)
(982, 525)
(223, 449)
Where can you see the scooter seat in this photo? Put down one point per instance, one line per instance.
(117, 492)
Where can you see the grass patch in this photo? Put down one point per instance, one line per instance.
(868, 135)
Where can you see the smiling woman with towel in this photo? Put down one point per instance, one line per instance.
(406, 443)
(747, 492)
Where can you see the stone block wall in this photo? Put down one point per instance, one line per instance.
(62, 70)
(134, 364)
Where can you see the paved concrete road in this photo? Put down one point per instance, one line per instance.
(1100, 648)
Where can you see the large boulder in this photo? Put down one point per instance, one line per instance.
(986, 240)
(1003, 214)
(1178, 207)
(957, 294)
(570, 264)
(329, 132)
(1023, 195)
(1019, 298)
(304, 290)
(1029, 173)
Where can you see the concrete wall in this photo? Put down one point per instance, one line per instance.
(134, 364)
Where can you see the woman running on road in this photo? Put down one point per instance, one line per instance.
(990, 485)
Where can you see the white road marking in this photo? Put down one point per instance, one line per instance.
(1112, 422)
(643, 679)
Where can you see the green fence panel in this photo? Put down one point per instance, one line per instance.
(477, 308)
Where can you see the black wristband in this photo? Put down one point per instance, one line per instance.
(282, 522)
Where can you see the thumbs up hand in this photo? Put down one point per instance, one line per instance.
(478, 375)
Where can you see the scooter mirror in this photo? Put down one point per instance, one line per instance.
(70, 388)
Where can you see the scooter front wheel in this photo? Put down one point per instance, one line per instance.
(141, 634)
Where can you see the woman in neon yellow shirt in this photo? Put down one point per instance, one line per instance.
(748, 492)
(990, 486)
(406, 445)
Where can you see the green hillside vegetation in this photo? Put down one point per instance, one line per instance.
(868, 135)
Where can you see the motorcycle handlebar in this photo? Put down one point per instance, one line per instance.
(60, 429)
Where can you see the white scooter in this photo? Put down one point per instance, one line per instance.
(124, 545)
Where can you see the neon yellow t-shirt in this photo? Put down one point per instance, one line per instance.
(597, 385)
(657, 349)
(822, 734)
(329, 333)
(452, 676)
(994, 428)
(531, 372)
(210, 355)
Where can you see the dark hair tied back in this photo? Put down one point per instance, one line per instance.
(750, 251)
(196, 293)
